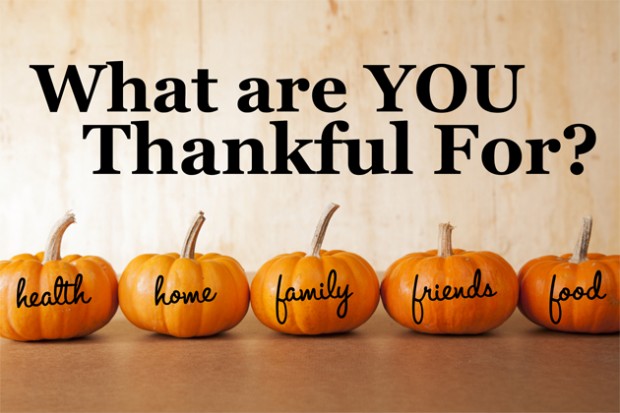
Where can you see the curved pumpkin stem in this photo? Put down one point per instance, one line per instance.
(189, 246)
(321, 229)
(445, 240)
(52, 250)
(580, 254)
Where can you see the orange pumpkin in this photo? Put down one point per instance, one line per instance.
(184, 296)
(44, 297)
(320, 292)
(576, 292)
(450, 291)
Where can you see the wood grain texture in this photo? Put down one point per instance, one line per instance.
(570, 50)
(380, 367)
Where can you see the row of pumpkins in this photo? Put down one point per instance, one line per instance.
(444, 291)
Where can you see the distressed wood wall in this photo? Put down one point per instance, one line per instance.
(570, 50)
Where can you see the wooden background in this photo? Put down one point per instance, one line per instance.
(570, 50)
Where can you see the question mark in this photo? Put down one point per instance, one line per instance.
(584, 147)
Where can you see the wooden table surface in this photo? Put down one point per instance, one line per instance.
(379, 367)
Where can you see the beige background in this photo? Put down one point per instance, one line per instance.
(570, 50)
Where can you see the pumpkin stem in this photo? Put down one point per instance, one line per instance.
(189, 246)
(52, 251)
(445, 240)
(321, 229)
(580, 254)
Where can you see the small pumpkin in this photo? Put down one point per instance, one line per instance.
(46, 297)
(190, 295)
(576, 292)
(450, 291)
(320, 292)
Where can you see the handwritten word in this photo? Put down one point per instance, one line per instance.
(311, 294)
(61, 294)
(578, 293)
(177, 296)
(447, 293)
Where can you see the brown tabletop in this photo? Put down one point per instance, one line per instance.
(379, 367)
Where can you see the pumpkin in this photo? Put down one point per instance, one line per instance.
(46, 297)
(450, 291)
(320, 292)
(576, 292)
(190, 295)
